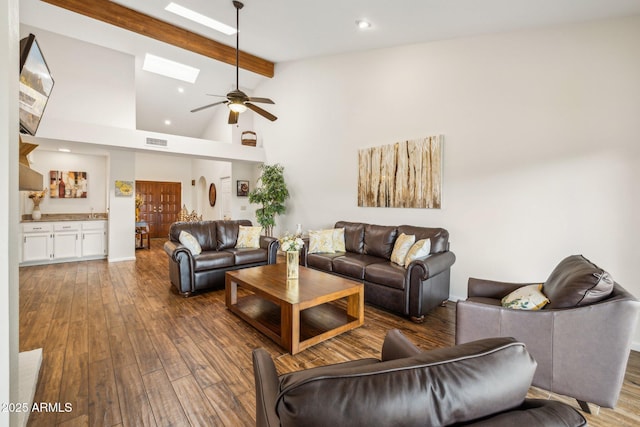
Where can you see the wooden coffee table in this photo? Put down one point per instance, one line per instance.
(295, 314)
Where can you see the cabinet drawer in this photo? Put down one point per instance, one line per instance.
(94, 225)
(66, 226)
(37, 227)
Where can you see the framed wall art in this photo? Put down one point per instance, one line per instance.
(243, 188)
(67, 185)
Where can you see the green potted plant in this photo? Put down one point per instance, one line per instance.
(271, 193)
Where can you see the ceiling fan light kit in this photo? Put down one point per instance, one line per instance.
(238, 101)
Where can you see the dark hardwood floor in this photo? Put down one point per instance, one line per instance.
(125, 350)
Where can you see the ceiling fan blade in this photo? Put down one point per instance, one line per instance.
(263, 100)
(219, 96)
(233, 117)
(263, 113)
(207, 106)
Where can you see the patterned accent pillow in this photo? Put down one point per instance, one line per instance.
(420, 249)
(190, 242)
(528, 297)
(321, 242)
(401, 248)
(248, 237)
(338, 240)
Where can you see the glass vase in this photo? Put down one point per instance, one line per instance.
(36, 214)
(292, 264)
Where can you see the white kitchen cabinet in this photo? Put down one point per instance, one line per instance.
(66, 240)
(63, 241)
(94, 238)
(37, 239)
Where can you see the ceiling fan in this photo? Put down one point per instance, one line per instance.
(237, 100)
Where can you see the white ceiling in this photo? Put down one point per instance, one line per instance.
(288, 30)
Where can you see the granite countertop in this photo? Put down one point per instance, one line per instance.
(67, 217)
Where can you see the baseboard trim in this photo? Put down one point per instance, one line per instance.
(131, 258)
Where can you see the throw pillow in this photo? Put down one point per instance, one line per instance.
(527, 297)
(338, 240)
(401, 248)
(190, 242)
(420, 249)
(576, 282)
(321, 242)
(248, 237)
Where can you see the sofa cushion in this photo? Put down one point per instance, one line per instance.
(420, 249)
(203, 231)
(401, 248)
(212, 259)
(379, 240)
(322, 262)
(248, 237)
(190, 242)
(528, 297)
(352, 265)
(243, 256)
(575, 282)
(227, 233)
(386, 273)
(439, 236)
(338, 240)
(321, 241)
(353, 236)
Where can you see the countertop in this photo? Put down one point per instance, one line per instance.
(67, 217)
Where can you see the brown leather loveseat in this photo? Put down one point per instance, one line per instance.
(483, 383)
(190, 273)
(410, 291)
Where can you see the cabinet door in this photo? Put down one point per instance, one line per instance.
(66, 245)
(93, 243)
(36, 247)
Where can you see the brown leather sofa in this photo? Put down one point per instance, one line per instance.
(207, 270)
(411, 291)
(581, 339)
(483, 383)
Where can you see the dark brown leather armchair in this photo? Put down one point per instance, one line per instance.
(582, 351)
(483, 383)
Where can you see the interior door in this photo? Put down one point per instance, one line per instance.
(161, 203)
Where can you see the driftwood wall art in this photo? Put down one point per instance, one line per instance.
(406, 174)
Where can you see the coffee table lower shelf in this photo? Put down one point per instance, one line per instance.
(316, 324)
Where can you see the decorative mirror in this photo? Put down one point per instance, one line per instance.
(212, 194)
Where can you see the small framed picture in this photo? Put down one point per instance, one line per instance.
(243, 188)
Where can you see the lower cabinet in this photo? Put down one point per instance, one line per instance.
(47, 242)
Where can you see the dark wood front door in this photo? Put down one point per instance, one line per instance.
(161, 203)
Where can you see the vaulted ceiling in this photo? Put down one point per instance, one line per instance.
(288, 30)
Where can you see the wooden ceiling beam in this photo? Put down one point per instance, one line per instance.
(129, 19)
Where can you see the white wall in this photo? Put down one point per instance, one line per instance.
(93, 84)
(166, 168)
(96, 168)
(542, 150)
(211, 171)
(9, 208)
(122, 210)
(240, 206)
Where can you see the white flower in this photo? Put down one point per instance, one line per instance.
(290, 242)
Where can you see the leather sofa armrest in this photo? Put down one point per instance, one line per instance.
(267, 386)
(174, 249)
(271, 244)
(432, 265)
(397, 346)
(491, 289)
(304, 252)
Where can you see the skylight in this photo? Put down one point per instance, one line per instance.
(200, 18)
(168, 68)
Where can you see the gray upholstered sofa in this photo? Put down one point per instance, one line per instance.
(410, 291)
(581, 339)
(190, 273)
(483, 383)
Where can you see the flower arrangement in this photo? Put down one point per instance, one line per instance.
(290, 242)
(36, 196)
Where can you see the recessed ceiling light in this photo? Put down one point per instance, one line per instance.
(168, 68)
(181, 89)
(200, 18)
(64, 150)
(167, 122)
(362, 24)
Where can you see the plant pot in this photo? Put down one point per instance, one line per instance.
(293, 258)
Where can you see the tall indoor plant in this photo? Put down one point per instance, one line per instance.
(271, 193)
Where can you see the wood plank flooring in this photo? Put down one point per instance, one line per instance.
(125, 350)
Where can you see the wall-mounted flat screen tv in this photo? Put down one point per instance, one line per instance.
(36, 84)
